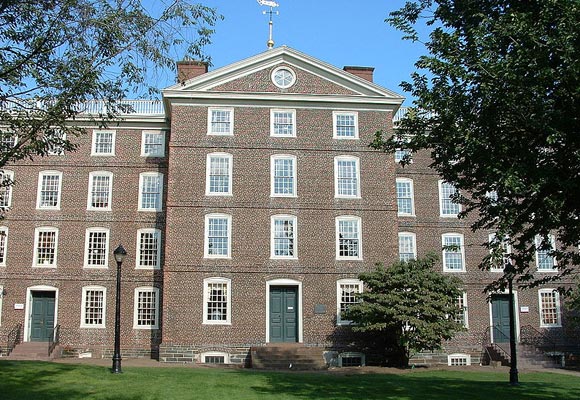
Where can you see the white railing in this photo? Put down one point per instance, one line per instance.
(402, 111)
(135, 107)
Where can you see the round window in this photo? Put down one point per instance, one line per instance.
(283, 77)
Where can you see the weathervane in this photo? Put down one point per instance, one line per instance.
(270, 4)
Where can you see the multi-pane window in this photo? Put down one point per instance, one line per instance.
(103, 143)
(215, 357)
(549, 307)
(7, 140)
(283, 175)
(6, 181)
(93, 307)
(45, 247)
(453, 255)
(498, 263)
(347, 177)
(150, 191)
(146, 308)
(347, 294)
(545, 260)
(405, 203)
(283, 236)
(56, 149)
(148, 248)
(219, 167)
(216, 300)
(100, 190)
(407, 247)
(283, 123)
(402, 154)
(153, 144)
(49, 185)
(458, 360)
(217, 235)
(348, 238)
(220, 121)
(461, 316)
(97, 248)
(446, 205)
(345, 125)
(3, 243)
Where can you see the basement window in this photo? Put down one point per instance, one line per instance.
(458, 360)
(214, 358)
(351, 359)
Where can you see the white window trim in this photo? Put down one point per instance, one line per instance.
(153, 132)
(273, 159)
(337, 236)
(292, 73)
(39, 190)
(205, 354)
(537, 241)
(273, 218)
(58, 151)
(440, 185)
(89, 194)
(273, 111)
(508, 250)
(206, 236)
(157, 232)
(10, 174)
(209, 112)
(94, 142)
(35, 253)
(136, 304)
(230, 173)
(1, 297)
(86, 261)
(357, 164)
(558, 308)
(462, 244)
(228, 320)
(335, 114)
(84, 309)
(340, 282)
(467, 358)
(159, 207)
(414, 238)
(465, 310)
(4, 237)
(412, 189)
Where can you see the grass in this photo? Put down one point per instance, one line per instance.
(51, 381)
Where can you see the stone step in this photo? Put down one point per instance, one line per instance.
(32, 351)
(294, 357)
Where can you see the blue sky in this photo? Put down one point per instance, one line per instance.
(338, 32)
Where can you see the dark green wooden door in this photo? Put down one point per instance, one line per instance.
(500, 316)
(283, 314)
(42, 316)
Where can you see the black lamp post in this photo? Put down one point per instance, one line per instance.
(119, 254)
(509, 272)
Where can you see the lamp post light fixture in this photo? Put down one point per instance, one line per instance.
(119, 254)
(509, 272)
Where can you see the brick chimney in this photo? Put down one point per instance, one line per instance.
(190, 69)
(361, 72)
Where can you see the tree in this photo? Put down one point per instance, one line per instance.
(497, 107)
(410, 304)
(57, 55)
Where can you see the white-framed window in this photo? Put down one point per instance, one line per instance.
(283, 175)
(453, 252)
(447, 207)
(549, 301)
(499, 265)
(3, 245)
(8, 140)
(1, 290)
(219, 172)
(100, 191)
(545, 261)
(405, 199)
(215, 357)
(97, 248)
(45, 247)
(103, 143)
(283, 77)
(401, 154)
(348, 238)
(461, 302)
(458, 360)
(150, 191)
(6, 181)
(94, 305)
(345, 124)
(220, 121)
(146, 308)
(218, 234)
(283, 242)
(347, 291)
(56, 150)
(153, 144)
(407, 246)
(346, 177)
(148, 249)
(49, 189)
(283, 123)
(217, 301)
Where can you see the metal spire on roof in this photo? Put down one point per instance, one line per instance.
(271, 4)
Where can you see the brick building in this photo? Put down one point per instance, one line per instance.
(248, 203)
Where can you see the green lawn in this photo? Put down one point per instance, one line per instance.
(50, 381)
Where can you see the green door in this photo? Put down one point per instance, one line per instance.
(500, 316)
(42, 316)
(283, 314)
